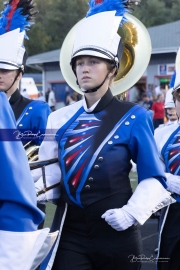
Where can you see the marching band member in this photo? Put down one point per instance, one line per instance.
(22, 247)
(31, 115)
(167, 140)
(170, 111)
(95, 141)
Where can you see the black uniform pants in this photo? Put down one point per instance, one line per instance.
(89, 243)
(42, 207)
(170, 240)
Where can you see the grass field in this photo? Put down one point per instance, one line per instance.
(50, 208)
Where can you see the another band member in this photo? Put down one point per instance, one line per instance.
(167, 140)
(21, 245)
(31, 115)
(170, 111)
(95, 141)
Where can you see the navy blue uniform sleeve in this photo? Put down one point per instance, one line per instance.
(39, 120)
(143, 149)
(18, 210)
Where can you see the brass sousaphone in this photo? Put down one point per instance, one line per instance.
(135, 59)
(31, 151)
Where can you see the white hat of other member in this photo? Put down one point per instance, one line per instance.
(12, 50)
(169, 102)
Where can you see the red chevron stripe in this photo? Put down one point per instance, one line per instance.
(98, 2)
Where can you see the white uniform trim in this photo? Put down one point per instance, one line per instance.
(149, 197)
(51, 261)
(49, 150)
(26, 250)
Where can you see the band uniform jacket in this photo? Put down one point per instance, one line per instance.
(167, 140)
(31, 116)
(95, 148)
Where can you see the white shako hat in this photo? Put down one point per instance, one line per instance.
(95, 37)
(15, 20)
(12, 51)
(169, 102)
(177, 79)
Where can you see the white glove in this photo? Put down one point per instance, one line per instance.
(118, 219)
(173, 183)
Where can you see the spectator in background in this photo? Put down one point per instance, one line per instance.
(146, 102)
(24, 93)
(41, 96)
(47, 94)
(134, 94)
(78, 95)
(141, 91)
(71, 98)
(150, 92)
(157, 90)
(67, 94)
(52, 100)
(158, 110)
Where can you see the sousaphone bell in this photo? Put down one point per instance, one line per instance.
(135, 59)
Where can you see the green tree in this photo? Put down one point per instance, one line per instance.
(152, 12)
(38, 37)
(175, 11)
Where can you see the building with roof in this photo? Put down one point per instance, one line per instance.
(165, 43)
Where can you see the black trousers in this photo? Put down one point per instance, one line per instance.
(157, 122)
(89, 243)
(170, 240)
(42, 207)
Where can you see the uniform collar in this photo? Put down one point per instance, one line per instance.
(100, 104)
(14, 97)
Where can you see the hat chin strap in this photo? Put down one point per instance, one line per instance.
(95, 88)
(13, 82)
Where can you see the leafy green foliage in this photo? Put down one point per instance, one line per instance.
(153, 12)
(55, 19)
